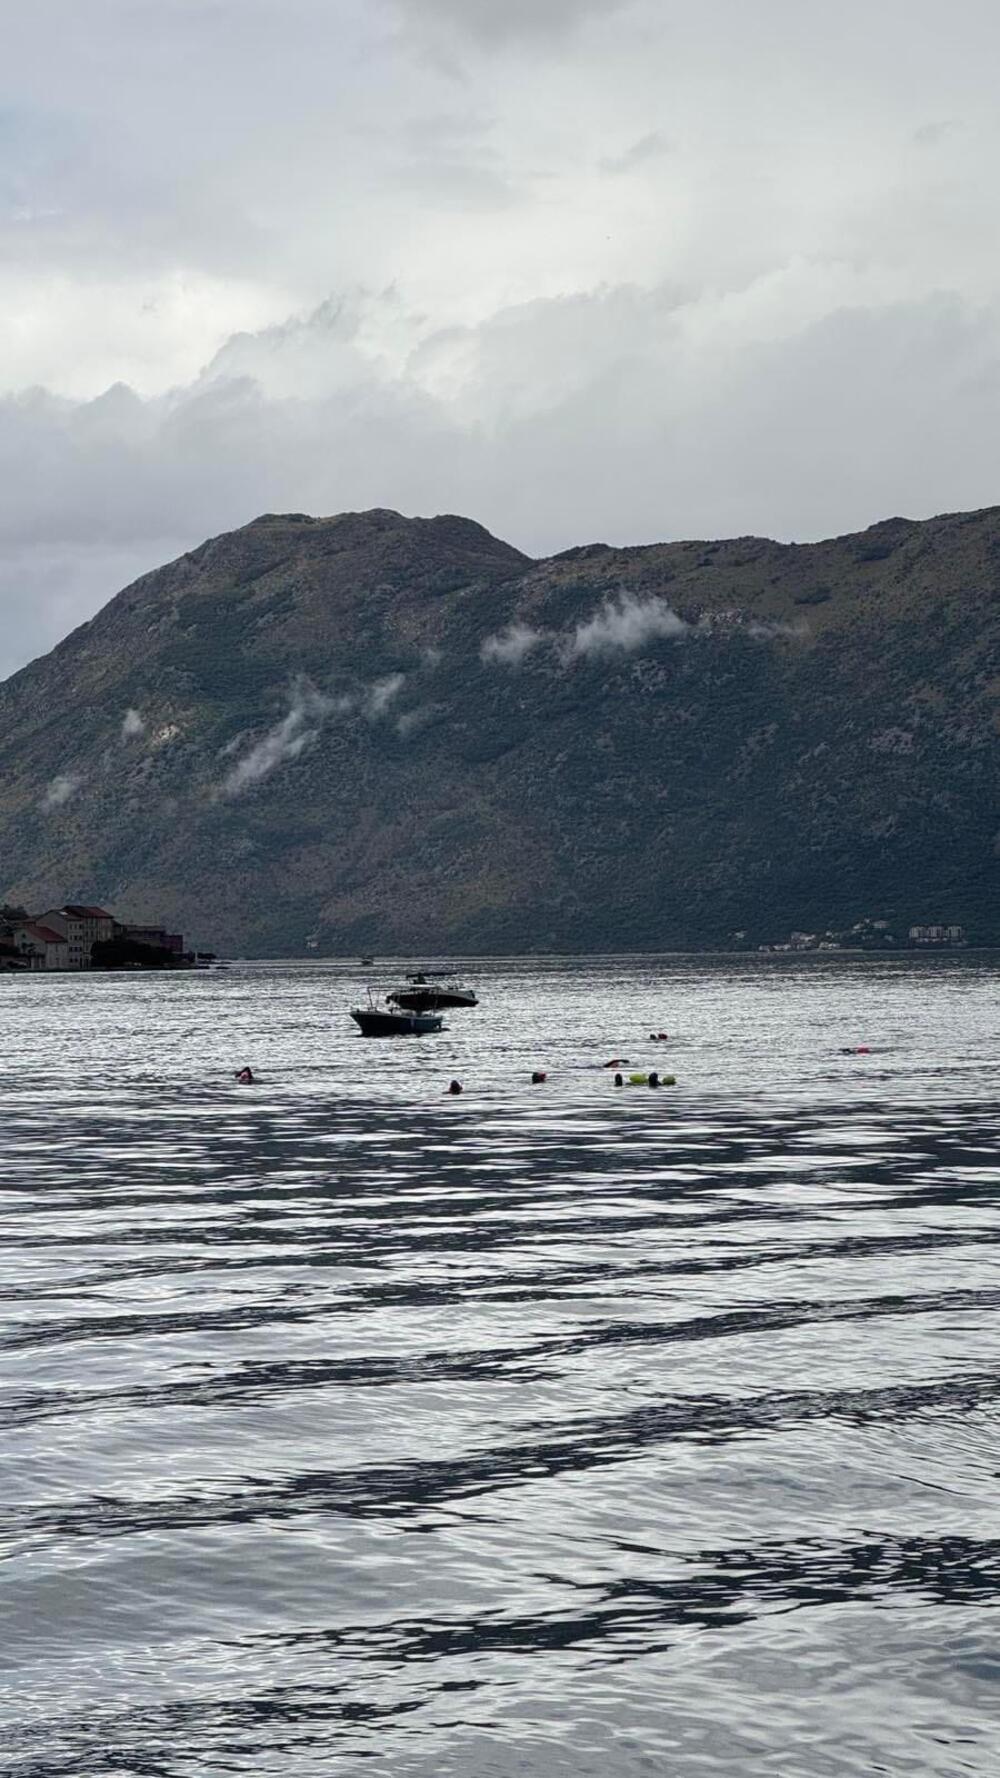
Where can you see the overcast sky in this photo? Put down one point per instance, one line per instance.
(581, 269)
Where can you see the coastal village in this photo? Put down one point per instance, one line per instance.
(78, 936)
(874, 935)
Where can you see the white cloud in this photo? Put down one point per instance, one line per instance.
(412, 721)
(62, 788)
(383, 692)
(509, 647)
(772, 632)
(133, 725)
(625, 626)
(286, 740)
(622, 416)
(789, 323)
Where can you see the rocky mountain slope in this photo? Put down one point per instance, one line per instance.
(401, 734)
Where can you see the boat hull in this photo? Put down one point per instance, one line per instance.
(374, 1023)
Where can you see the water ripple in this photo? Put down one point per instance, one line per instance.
(556, 1430)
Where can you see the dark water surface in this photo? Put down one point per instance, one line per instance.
(352, 1429)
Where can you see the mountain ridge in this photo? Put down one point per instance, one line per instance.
(372, 731)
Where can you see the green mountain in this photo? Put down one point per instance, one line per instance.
(401, 734)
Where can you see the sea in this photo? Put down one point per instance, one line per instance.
(350, 1427)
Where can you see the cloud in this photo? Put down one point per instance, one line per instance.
(736, 622)
(623, 415)
(772, 632)
(789, 324)
(626, 626)
(931, 135)
(283, 743)
(650, 147)
(493, 20)
(412, 721)
(132, 725)
(509, 647)
(383, 692)
(62, 788)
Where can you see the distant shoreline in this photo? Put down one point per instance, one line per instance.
(469, 960)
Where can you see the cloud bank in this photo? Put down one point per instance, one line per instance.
(580, 269)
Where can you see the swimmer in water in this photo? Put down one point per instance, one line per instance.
(455, 1086)
(245, 1077)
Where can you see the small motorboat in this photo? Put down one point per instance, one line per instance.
(430, 989)
(389, 1021)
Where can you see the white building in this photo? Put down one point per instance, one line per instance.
(41, 945)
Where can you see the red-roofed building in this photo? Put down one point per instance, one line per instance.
(41, 945)
(82, 927)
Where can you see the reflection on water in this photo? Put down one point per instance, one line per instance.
(549, 1430)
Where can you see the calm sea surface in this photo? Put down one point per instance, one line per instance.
(349, 1428)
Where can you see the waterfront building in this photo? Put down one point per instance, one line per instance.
(82, 927)
(40, 945)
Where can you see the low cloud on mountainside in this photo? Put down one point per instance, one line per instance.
(620, 625)
(633, 446)
(308, 709)
(62, 788)
(297, 731)
(384, 692)
(625, 624)
(509, 647)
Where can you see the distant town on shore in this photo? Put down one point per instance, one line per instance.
(78, 936)
(871, 935)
